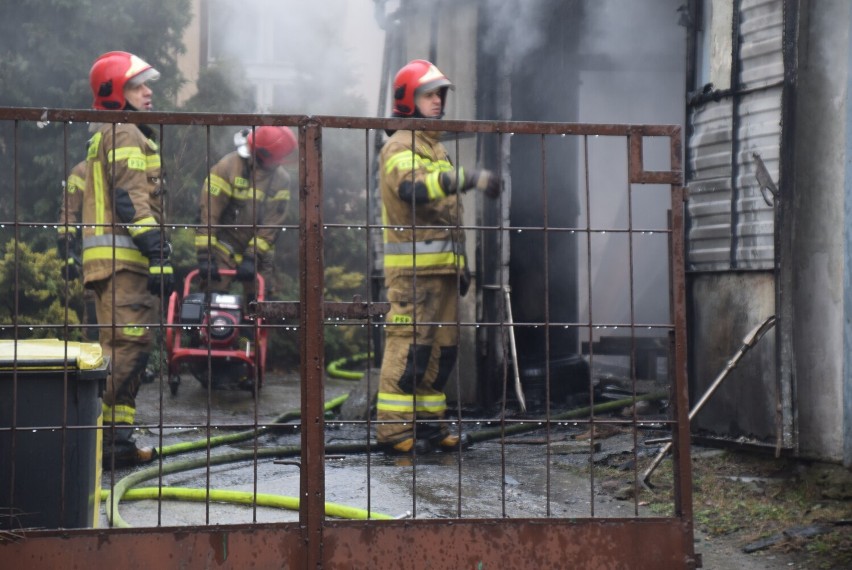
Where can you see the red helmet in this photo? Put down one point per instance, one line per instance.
(111, 72)
(270, 145)
(416, 76)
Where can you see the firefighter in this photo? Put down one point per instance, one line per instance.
(68, 240)
(245, 195)
(425, 268)
(125, 252)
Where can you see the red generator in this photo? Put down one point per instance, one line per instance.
(210, 335)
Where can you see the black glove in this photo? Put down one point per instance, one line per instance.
(464, 281)
(246, 269)
(207, 266)
(161, 276)
(483, 180)
(67, 247)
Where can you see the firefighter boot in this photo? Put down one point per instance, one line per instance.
(120, 449)
(454, 442)
(408, 446)
(440, 438)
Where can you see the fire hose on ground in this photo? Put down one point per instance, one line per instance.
(124, 487)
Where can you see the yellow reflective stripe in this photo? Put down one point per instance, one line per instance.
(161, 270)
(402, 319)
(98, 186)
(260, 244)
(202, 242)
(97, 173)
(409, 160)
(433, 185)
(133, 155)
(62, 230)
(218, 185)
(247, 194)
(405, 403)
(120, 253)
(405, 160)
(394, 402)
(142, 225)
(94, 145)
(123, 414)
(431, 403)
(424, 260)
(386, 223)
(280, 195)
(132, 330)
(75, 183)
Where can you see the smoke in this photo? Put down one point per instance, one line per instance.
(632, 72)
(301, 57)
(513, 28)
(629, 31)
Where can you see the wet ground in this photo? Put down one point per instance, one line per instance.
(488, 480)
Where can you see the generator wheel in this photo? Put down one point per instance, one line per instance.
(174, 384)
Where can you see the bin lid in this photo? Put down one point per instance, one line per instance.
(49, 354)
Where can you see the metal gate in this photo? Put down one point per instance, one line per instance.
(503, 525)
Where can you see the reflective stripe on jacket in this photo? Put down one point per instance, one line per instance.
(71, 203)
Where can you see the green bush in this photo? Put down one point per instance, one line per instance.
(35, 294)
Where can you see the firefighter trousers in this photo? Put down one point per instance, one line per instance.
(126, 314)
(419, 356)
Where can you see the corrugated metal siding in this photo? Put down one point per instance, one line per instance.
(709, 240)
(712, 211)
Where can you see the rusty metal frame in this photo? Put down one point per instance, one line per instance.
(315, 542)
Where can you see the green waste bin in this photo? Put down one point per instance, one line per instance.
(50, 410)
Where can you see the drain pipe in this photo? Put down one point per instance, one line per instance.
(751, 339)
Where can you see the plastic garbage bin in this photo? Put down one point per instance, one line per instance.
(50, 441)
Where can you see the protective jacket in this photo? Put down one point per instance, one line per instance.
(71, 207)
(122, 208)
(234, 195)
(418, 191)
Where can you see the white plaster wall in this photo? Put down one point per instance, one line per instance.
(818, 227)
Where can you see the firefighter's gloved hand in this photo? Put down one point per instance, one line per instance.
(207, 266)
(246, 269)
(161, 277)
(483, 180)
(71, 267)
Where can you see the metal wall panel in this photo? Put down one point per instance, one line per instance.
(733, 228)
(709, 206)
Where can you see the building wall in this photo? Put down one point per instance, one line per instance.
(730, 294)
(820, 254)
(189, 62)
(731, 258)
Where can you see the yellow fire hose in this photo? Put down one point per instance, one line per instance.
(124, 487)
(241, 498)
